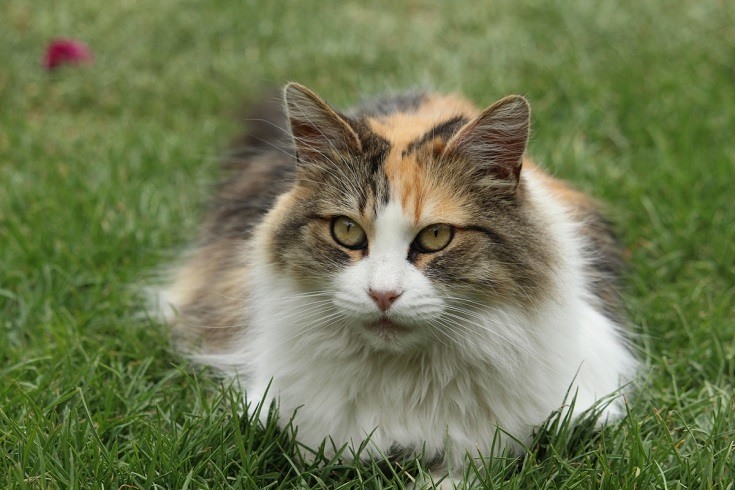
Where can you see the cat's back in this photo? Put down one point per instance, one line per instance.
(257, 167)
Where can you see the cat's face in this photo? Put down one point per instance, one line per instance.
(405, 226)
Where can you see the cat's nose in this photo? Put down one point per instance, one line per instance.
(384, 298)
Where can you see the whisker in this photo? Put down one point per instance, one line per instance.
(310, 327)
(269, 143)
(271, 123)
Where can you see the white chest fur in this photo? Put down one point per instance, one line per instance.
(447, 398)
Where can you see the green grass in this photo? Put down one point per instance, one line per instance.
(104, 169)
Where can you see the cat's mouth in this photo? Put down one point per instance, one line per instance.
(386, 326)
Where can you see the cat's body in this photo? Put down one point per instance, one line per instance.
(395, 275)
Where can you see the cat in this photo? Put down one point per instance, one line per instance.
(401, 272)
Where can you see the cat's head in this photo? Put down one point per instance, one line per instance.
(410, 221)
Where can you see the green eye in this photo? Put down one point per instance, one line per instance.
(348, 233)
(433, 238)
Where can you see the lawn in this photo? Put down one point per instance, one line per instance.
(104, 171)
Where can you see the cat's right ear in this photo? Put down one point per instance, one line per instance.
(317, 130)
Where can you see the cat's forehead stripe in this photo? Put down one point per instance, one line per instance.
(437, 118)
(443, 131)
(402, 128)
(408, 182)
(424, 198)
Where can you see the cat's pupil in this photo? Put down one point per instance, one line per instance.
(348, 234)
(433, 238)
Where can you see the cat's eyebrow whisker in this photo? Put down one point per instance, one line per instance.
(317, 126)
(270, 123)
(325, 158)
(271, 144)
(315, 183)
(304, 142)
(301, 141)
(341, 167)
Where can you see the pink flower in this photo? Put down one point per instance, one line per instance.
(66, 51)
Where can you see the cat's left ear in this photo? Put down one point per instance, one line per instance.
(495, 140)
(318, 131)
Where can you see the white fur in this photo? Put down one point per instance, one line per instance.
(448, 383)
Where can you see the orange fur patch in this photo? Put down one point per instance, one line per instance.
(420, 196)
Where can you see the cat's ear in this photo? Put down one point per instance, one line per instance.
(317, 130)
(496, 139)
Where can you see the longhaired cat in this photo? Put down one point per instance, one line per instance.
(400, 272)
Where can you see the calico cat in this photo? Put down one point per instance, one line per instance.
(401, 272)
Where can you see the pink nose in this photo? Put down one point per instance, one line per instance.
(384, 298)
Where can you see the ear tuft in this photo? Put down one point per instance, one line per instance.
(317, 130)
(495, 140)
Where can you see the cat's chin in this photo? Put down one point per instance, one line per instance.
(387, 334)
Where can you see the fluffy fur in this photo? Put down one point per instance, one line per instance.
(489, 332)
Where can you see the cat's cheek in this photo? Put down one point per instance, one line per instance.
(301, 245)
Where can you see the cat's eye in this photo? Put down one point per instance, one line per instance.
(433, 238)
(348, 233)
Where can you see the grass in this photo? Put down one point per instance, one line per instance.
(104, 169)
